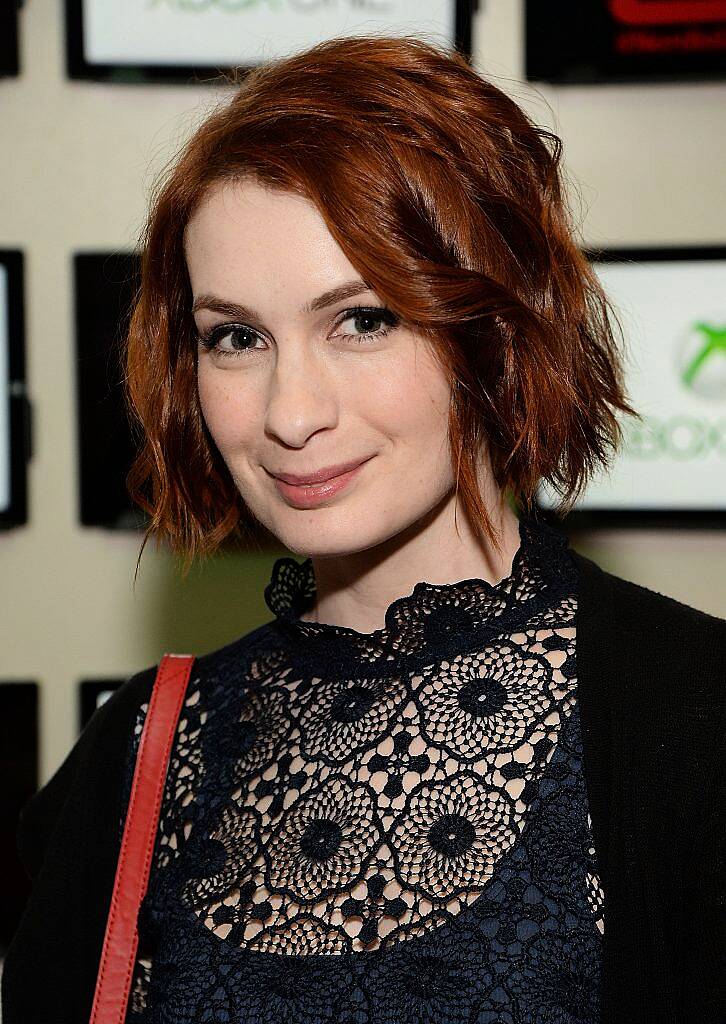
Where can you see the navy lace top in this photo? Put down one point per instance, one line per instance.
(381, 828)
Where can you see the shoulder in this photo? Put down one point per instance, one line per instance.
(640, 608)
(642, 646)
(216, 678)
(652, 678)
(86, 773)
(212, 673)
(94, 770)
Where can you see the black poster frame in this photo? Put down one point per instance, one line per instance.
(16, 514)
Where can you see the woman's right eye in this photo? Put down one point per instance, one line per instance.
(211, 340)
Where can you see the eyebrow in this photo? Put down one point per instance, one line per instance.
(329, 298)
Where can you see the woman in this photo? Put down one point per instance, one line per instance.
(463, 774)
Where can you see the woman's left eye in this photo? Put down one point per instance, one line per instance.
(362, 316)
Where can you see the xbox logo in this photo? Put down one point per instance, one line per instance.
(702, 360)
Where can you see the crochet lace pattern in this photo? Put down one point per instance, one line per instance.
(381, 827)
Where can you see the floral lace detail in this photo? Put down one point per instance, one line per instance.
(429, 617)
(382, 827)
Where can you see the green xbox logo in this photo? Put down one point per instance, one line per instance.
(702, 360)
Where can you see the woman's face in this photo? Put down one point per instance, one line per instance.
(311, 384)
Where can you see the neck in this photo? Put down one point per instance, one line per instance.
(355, 589)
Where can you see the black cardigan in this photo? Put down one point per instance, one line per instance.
(652, 698)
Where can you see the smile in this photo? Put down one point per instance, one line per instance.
(311, 495)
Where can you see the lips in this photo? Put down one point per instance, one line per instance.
(309, 496)
(320, 475)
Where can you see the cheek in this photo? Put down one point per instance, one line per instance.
(412, 412)
(411, 403)
(229, 420)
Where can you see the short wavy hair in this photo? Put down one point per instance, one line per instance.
(448, 200)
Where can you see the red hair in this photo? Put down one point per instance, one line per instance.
(448, 200)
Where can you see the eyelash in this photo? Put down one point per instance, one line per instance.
(210, 339)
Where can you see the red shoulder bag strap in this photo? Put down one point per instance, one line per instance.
(137, 845)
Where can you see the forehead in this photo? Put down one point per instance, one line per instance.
(249, 237)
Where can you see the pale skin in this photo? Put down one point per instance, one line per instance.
(305, 393)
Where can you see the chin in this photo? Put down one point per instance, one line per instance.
(318, 540)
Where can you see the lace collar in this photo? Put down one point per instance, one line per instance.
(433, 614)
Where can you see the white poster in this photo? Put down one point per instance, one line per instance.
(226, 33)
(673, 314)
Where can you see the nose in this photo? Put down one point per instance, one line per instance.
(302, 398)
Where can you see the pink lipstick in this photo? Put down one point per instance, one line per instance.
(312, 494)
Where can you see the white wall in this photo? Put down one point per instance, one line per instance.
(78, 160)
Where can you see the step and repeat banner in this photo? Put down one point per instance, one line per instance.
(671, 301)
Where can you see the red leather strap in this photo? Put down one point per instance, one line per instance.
(137, 845)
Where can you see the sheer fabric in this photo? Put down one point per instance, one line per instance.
(385, 827)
